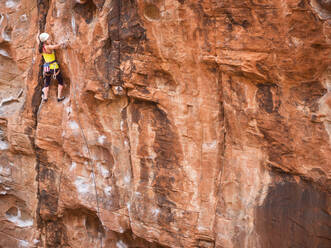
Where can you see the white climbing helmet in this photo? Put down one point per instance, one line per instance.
(43, 37)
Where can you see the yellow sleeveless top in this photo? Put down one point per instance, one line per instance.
(49, 57)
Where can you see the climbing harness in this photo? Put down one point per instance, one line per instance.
(55, 72)
(47, 65)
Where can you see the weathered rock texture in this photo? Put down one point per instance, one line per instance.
(187, 123)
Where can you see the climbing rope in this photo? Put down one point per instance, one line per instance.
(60, 179)
(92, 166)
(89, 161)
(89, 153)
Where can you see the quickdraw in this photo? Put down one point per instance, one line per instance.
(56, 73)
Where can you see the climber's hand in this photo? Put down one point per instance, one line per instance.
(64, 45)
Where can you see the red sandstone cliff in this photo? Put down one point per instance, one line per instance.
(186, 123)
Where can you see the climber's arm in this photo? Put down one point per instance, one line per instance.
(53, 47)
(50, 47)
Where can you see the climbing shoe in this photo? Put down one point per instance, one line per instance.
(60, 99)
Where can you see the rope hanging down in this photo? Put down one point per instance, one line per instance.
(89, 162)
(89, 155)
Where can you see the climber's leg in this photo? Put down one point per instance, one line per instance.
(60, 86)
(47, 81)
(59, 93)
(45, 92)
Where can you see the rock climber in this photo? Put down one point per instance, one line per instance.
(51, 66)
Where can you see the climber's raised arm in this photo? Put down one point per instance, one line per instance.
(52, 46)
(47, 44)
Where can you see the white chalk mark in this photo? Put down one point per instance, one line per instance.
(8, 100)
(11, 4)
(73, 166)
(16, 219)
(69, 110)
(4, 53)
(127, 179)
(121, 244)
(101, 139)
(73, 125)
(103, 170)
(73, 25)
(155, 211)
(83, 186)
(6, 36)
(5, 171)
(210, 145)
(2, 17)
(24, 243)
(3, 145)
(108, 190)
(122, 125)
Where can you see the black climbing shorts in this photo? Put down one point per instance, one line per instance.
(50, 74)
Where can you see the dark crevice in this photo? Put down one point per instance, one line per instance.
(113, 47)
(119, 40)
(36, 97)
(51, 227)
(43, 6)
(267, 96)
(55, 233)
(86, 10)
(125, 36)
(294, 214)
(222, 148)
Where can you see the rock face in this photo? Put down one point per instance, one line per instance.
(186, 124)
